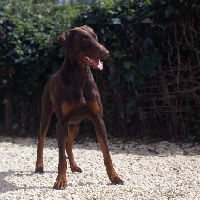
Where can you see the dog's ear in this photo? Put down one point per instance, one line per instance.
(66, 39)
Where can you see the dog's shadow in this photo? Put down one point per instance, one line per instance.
(7, 185)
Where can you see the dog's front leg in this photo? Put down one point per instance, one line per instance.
(61, 181)
(102, 138)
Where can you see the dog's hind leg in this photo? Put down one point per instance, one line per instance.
(102, 138)
(47, 111)
(72, 132)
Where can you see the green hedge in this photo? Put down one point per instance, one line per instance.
(149, 85)
(29, 54)
(153, 68)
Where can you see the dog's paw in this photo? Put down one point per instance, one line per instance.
(117, 181)
(76, 169)
(39, 170)
(60, 184)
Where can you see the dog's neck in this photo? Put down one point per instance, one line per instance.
(75, 74)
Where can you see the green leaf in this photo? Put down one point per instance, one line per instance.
(129, 77)
(131, 103)
(148, 41)
(118, 88)
(128, 65)
(117, 54)
(142, 116)
(116, 21)
(194, 5)
(191, 136)
(139, 83)
(198, 8)
(15, 35)
(13, 54)
(92, 20)
(147, 66)
(15, 126)
(114, 79)
(168, 11)
(19, 60)
(19, 51)
(147, 21)
(156, 56)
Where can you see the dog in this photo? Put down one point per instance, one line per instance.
(72, 95)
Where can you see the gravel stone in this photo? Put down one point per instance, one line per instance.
(150, 171)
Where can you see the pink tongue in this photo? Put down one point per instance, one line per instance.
(97, 64)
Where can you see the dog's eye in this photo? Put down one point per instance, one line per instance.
(84, 39)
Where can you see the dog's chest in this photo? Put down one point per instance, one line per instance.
(76, 112)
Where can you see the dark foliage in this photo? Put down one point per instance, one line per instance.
(150, 83)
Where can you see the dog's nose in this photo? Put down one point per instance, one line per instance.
(105, 53)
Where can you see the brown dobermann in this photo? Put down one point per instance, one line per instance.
(73, 95)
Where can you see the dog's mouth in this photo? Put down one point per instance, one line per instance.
(96, 64)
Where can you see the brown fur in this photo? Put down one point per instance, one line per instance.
(73, 95)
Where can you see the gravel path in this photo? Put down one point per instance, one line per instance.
(154, 171)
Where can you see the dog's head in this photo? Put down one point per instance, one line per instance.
(82, 43)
